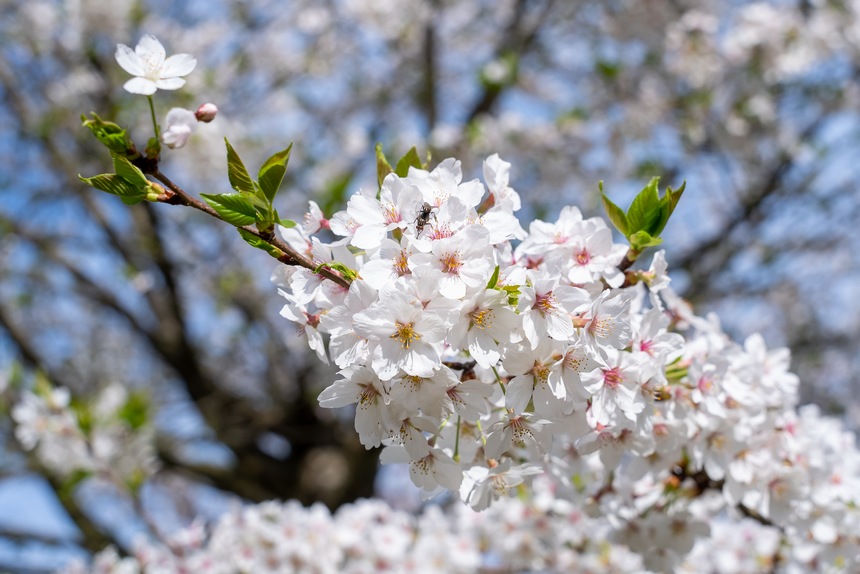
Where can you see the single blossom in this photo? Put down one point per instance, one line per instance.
(181, 123)
(152, 68)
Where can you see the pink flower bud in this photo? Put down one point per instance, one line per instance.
(206, 113)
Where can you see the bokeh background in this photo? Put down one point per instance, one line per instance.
(754, 104)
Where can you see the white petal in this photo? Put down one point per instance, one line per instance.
(128, 60)
(170, 84)
(178, 65)
(140, 86)
(149, 48)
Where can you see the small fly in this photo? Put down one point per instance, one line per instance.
(424, 214)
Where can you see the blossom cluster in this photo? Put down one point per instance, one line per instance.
(481, 363)
(110, 438)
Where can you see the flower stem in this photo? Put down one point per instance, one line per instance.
(457, 442)
(154, 122)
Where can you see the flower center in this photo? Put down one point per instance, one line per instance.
(389, 212)
(451, 263)
(400, 263)
(582, 257)
(482, 318)
(613, 377)
(405, 334)
(545, 303)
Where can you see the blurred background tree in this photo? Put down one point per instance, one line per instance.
(754, 104)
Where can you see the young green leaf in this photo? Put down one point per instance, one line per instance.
(240, 179)
(135, 411)
(644, 212)
(494, 279)
(383, 168)
(272, 173)
(411, 159)
(616, 214)
(234, 208)
(348, 273)
(128, 171)
(641, 240)
(255, 241)
(116, 185)
(109, 134)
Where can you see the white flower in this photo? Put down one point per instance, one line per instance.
(153, 69)
(181, 123)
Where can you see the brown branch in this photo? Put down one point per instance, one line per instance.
(290, 257)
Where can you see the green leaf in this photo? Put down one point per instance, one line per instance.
(411, 159)
(135, 411)
(128, 171)
(234, 208)
(349, 273)
(513, 292)
(109, 134)
(288, 223)
(68, 485)
(240, 179)
(272, 173)
(383, 168)
(675, 196)
(494, 279)
(641, 240)
(336, 193)
(116, 185)
(644, 212)
(255, 241)
(616, 214)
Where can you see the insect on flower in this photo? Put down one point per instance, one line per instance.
(424, 213)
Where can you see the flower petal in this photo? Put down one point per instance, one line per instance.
(150, 50)
(178, 65)
(170, 84)
(140, 86)
(128, 60)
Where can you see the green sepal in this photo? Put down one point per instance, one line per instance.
(234, 208)
(645, 212)
(513, 292)
(494, 279)
(255, 241)
(111, 135)
(383, 168)
(641, 240)
(240, 179)
(153, 148)
(135, 411)
(411, 159)
(348, 273)
(272, 173)
(616, 214)
(116, 185)
(128, 171)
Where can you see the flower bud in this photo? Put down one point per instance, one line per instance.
(206, 113)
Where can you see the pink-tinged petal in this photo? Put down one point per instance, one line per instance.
(129, 60)
(140, 86)
(178, 65)
(170, 84)
(150, 50)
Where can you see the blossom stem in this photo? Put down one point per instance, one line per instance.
(499, 379)
(457, 441)
(154, 121)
